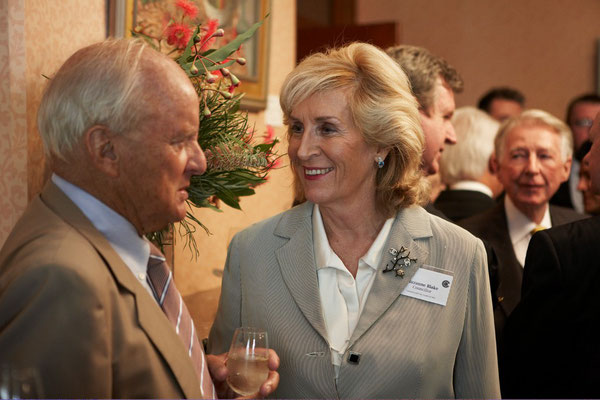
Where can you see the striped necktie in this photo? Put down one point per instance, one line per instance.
(160, 279)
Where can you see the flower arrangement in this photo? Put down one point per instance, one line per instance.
(235, 164)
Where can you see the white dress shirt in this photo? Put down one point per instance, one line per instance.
(342, 296)
(472, 185)
(133, 249)
(520, 227)
(576, 195)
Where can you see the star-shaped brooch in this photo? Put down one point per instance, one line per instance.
(400, 260)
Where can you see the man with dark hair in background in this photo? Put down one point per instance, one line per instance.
(580, 114)
(502, 103)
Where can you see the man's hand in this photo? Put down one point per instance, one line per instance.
(218, 371)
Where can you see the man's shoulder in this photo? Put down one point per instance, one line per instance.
(486, 221)
(563, 215)
(40, 239)
(583, 232)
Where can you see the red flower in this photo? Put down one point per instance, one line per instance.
(188, 8)
(211, 27)
(178, 35)
(269, 135)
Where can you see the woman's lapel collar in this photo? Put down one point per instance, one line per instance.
(411, 225)
(297, 263)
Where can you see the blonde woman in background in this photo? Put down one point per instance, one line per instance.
(363, 293)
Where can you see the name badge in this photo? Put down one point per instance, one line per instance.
(430, 284)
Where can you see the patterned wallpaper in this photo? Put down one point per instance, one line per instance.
(36, 37)
(54, 30)
(13, 120)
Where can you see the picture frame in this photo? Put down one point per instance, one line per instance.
(233, 15)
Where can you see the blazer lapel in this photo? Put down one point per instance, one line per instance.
(410, 224)
(151, 318)
(297, 264)
(510, 271)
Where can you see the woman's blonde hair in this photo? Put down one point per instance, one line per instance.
(382, 107)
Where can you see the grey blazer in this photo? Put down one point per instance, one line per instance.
(408, 348)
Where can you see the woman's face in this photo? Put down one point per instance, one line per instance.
(334, 164)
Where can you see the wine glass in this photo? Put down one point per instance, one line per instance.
(19, 383)
(248, 360)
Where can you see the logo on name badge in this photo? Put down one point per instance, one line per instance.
(445, 283)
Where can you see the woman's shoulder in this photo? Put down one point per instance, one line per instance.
(283, 224)
(419, 219)
(443, 238)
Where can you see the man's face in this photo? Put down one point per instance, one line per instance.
(531, 167)
(437, 126)
(160, 156)
(501, 109)
(591, 201)
(580, 121)
(592, 158)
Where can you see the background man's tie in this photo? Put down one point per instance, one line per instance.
(160, 279)
(537, 229)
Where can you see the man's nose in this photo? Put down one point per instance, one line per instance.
(533, 164)
(450, 134)
(197, 161)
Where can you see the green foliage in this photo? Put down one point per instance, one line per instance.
(235, 165)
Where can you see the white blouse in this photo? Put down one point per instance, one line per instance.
(342, 296)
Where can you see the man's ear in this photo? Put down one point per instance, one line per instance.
(493, 164)
(100, 149)
(566, 170)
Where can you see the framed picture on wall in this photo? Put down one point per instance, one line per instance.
(234, 16)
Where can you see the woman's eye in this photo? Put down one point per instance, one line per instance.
(296, 128)
(327, 129)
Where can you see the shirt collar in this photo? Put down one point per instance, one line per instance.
(472, 185)
(519, 225)
(120, 233)
(325, 257)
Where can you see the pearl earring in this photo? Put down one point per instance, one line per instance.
(380, 162)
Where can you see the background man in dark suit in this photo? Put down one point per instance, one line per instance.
(551, 340)
(580, 114)
(119, 123)
(532, 157)
(465, 167)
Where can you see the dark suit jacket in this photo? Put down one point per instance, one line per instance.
(430, 208)
(551, 343)
(71, 308)
(461, 204)
(491, 226)
(562, 197)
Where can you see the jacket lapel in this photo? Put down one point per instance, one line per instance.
(410, 224)
(510, 271)
(150, 317)
(297, 263)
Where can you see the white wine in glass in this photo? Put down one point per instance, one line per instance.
(19, 383)
(248, 360)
